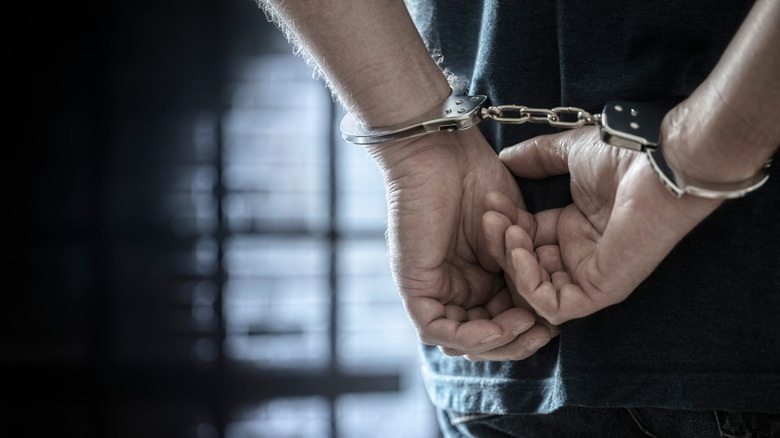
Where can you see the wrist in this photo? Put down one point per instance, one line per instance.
(389, 108)
(707, 141)
(396, 158)
(414, 91)
(443, 122)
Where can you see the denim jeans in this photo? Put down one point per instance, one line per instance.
(580, 422)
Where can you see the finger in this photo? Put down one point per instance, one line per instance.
(501, 213)
(526, 270)
(517, 237)
(515, 211)
(514, 322)
(464, 336)
(437, 324)
(594, 290)
(477, 313)
(455, 313)
(492, 250)
(560, 300)
(520, 348)
(549, 257)
(522, 267)
(501, 203)
(559, 279)
(500, 302)
(469, 336)
(526, 221)
(547, 227)
(519, 301)
(573, 302)
(554, 329)
(527, 277)
(540, 157)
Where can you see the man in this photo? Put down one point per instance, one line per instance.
(483, 279)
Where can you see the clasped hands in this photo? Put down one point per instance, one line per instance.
(481, 277)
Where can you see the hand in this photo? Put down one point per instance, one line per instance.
(594, 252)
(453, 290)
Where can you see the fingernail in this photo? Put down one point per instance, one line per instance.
(491, 338)
(535, 344)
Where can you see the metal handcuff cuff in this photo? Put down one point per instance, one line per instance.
(629, 125)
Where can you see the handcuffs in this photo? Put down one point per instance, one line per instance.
(630, 125)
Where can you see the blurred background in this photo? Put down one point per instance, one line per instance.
(196, 253)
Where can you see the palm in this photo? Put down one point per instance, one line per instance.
(453, 290)
(606, 204)
(594, 252)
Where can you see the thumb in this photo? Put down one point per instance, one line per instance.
(543, 156)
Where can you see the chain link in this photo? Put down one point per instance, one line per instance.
(517, 114)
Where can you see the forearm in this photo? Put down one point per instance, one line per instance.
(728, 128)
(371, 54)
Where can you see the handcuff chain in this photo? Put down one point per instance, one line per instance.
(553, 117)
(630, 125)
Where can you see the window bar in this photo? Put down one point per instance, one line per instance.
(220, 417)
(333, 282)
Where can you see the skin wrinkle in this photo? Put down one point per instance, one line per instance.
(604, 281)
(538, 159)
(748, 134)
(467, 258)
(390, 155)
(457, 287)
(469, 222)
(400, 208)
(473, 281)
(581, 194)
(578, 261)
(593, 288)
(594, 210)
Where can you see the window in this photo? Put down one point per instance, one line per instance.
(203, 257)
(307, 297)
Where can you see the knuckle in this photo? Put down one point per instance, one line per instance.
(522, 355)
(426, 338)
(450, 352)
(555, 318)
